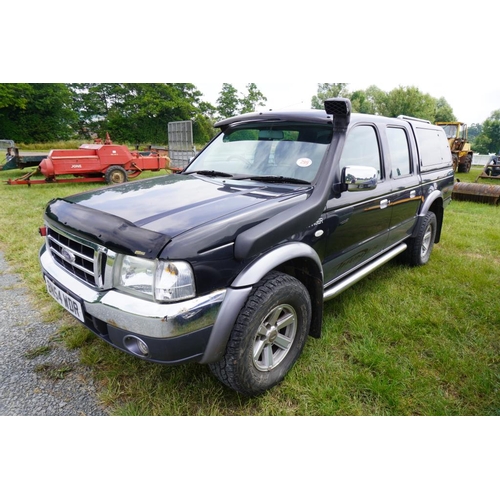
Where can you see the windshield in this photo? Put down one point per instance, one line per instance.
(450, 131)
(286, 150)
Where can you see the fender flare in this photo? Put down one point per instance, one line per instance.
(436, 194)
(241, 287)
(269, 261)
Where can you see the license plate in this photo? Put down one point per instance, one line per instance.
(69, 303)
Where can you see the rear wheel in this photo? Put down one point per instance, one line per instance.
(268, 336)
(115, 175)
(420, 247)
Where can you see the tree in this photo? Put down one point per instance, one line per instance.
(368, 101)
(196, 110)
(474, 130)
(93, 102)
(36, 112)
(444, 112)
(400, 101)
(488, 141)
(252, 99)
(14, 95)
(139, 113)
(328, 90)
(409, 101)
(228, 102)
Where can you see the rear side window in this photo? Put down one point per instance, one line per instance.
(399, 152)
(434, 148)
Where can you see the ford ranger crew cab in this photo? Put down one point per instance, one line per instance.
(228, 263)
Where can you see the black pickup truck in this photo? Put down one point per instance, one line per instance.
(229, 262)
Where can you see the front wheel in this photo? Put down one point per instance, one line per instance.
(420, 247)
(465, 166)
(268, 336)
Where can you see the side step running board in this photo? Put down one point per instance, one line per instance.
(338, 288)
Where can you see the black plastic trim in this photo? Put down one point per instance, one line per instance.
(178, 350)
(105, 229)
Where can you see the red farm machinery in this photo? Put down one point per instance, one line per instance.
(106, 162)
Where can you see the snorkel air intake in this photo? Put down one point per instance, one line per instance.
(285, 224)
(340, 109)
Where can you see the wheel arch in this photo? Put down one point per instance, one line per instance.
(295, 259)
(279, 258)
(434, 203)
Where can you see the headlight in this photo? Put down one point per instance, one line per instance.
(164, 280)
(137, 274)
(174, 281)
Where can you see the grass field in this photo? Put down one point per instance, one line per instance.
(404, 341)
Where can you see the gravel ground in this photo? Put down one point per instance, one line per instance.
(28, 385)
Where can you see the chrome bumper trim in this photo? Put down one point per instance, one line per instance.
(134, 314)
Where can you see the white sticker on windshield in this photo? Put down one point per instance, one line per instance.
(304, 162)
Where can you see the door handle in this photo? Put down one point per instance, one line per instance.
(384, 204)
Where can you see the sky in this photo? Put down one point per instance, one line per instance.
(293, 56)
(388, 43)
(472, 100)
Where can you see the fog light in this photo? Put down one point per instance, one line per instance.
(136, 346)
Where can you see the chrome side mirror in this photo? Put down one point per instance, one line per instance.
(357, 178)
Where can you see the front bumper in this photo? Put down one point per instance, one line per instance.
(173, 333)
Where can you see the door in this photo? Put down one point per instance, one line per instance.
(405, 196)
(357, 223)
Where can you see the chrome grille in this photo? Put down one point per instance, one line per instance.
(80, 258)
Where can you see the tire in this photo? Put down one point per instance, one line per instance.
(268, 336)
(420, 247)
(115, 175)
(465, 166)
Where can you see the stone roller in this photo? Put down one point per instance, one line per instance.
(479, 193)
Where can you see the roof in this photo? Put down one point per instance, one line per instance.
(313, 115)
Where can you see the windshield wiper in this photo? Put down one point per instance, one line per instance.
(273, 178)
(262, 178)
(211, 173)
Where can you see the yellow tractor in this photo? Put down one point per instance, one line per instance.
(456, 132)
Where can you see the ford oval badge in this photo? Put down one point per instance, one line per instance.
(68, 256)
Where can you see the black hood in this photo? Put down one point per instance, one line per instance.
(142, 217)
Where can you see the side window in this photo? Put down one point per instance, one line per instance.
(399, 152)
(361, 148)
(434, 148)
